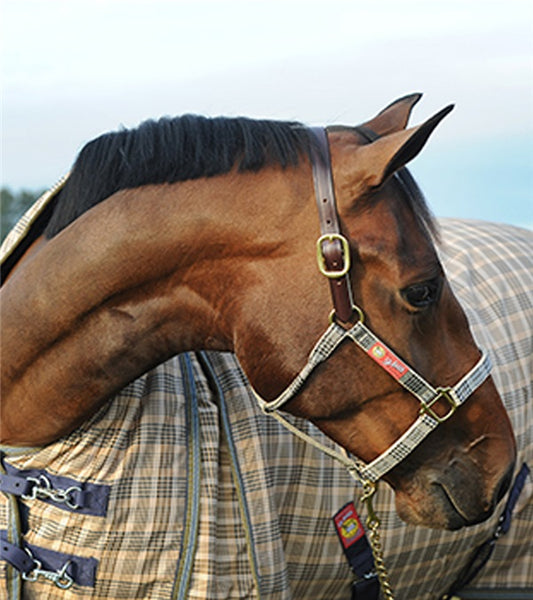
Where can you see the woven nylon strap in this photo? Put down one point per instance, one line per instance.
(399, 370)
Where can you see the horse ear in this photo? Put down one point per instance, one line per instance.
(394, 117)
(383, 157)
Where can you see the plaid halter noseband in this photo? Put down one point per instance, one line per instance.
(333, 254)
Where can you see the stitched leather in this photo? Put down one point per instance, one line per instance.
(329, 224)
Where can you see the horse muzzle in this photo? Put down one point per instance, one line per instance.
(452, 495)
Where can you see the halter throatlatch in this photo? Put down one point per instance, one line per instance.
(334, 262)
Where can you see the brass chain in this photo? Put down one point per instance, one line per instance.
(372, 524)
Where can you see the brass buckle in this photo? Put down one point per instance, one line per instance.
(331, 237)
(443, 392)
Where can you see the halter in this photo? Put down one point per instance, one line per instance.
(333, 253)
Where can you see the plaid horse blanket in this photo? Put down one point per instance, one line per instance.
(182, 488)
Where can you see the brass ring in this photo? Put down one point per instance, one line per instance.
(355, 309)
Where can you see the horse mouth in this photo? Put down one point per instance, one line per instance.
(463, 510)
(455, 515)
(458, 513)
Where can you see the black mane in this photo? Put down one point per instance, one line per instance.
(171, 150)
(190, 147)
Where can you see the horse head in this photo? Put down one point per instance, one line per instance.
(459, 473)
(223, 258)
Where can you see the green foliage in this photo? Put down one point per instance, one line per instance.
(14, 205)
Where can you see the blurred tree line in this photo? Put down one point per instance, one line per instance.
(14, 205)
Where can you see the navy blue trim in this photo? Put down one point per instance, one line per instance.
(234, 458)
(514, 494)
(192, 507)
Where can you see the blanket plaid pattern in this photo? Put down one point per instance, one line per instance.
(212, 499)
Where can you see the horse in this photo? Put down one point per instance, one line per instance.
(194, 234)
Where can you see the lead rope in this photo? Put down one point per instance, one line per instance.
(372, 524)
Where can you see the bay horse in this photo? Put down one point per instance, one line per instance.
(195, 233)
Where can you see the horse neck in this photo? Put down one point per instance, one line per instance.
(125, 287)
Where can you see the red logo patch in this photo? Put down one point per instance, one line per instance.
(388, 360)
(348, 525)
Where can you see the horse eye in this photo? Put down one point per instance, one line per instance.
(422, 295)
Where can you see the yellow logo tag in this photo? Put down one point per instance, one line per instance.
(378, 351)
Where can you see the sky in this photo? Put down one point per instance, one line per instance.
(73, 69)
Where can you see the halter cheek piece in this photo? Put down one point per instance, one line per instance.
(333, 253)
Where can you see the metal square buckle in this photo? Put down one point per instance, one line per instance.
(446, 394)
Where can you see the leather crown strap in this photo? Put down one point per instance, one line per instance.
(333, 253)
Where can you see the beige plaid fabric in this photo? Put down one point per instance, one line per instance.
(211, 499)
